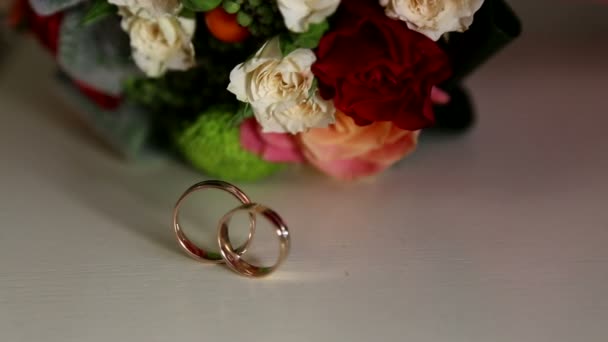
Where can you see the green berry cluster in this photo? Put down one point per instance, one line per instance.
(261, 17)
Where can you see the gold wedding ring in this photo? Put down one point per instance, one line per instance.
(190, 247)
(233, 257)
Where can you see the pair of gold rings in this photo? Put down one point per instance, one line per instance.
(229, 255)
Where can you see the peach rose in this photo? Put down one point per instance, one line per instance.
(347, 151)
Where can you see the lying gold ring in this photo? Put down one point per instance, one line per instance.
(233, 257)
(191, 249)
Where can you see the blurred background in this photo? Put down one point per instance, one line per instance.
(570, 19)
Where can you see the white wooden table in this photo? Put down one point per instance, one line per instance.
(500, 235)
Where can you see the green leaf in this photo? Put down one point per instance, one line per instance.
(307, 40)
(201, 5)
(187, 13)
(310, 39)
(98, 10)
(287, 43)
(98, 55)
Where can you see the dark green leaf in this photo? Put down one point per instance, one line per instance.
(287, 43)
(98, 10)
(187, 13)
(201, 5)
(307, 40)
(98, 55)
(310, 39)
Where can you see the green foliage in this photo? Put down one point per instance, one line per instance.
(185, 94)
(187, 13)
(97, 54)
(309, 40)
(201, 5)
(98, 10)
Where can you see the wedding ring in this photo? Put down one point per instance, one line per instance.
(233, 258)
(192, 249)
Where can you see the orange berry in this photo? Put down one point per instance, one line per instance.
(224, 26)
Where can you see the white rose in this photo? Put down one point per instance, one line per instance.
(278, 90)
(150, 8)
(299, 14)
(160, 44)
(433, 18)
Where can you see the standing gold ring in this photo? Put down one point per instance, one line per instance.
(191, 249)
(233, 257)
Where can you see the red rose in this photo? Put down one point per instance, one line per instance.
(376, 69)
(45, 28)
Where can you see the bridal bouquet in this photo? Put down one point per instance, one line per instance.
(241, 88)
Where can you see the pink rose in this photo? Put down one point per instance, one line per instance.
(272, 147)
(347, 151)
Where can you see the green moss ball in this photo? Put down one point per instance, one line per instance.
(212, 145)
